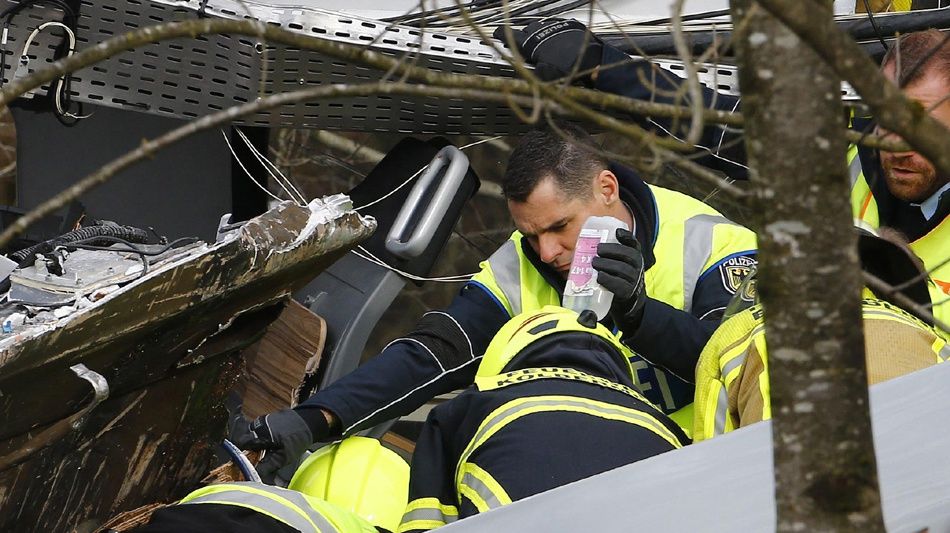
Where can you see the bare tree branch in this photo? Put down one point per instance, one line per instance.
(881, 287)
(825, 471)
(149, 148)
(692, 79)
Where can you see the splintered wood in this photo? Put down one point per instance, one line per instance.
(277, 364)
(229, 472)
(131, 519)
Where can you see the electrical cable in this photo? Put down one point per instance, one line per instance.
(877, 30)
(449, 11)
(280, 178)
(61, 82)
(249, 175)
(392, 192)
(60, 92)
(132, 248)
(379, 262)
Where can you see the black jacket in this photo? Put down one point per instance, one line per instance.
(544, 432)
(442, 353)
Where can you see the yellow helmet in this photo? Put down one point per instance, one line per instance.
(360, 475)
(531, 326)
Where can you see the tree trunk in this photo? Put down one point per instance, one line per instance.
(809, 280)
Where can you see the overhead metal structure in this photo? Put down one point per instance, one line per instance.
(187, 78)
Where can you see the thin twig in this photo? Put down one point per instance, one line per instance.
(692, 78)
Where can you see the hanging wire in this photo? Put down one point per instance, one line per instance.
(368, 256)
(392, 192)
(279, 177)
(249, 175)
(480, 141)
(373, 259)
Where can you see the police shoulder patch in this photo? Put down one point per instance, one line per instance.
(734, 270)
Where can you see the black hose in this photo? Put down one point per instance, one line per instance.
(107, 230)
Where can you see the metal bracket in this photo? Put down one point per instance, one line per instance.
(455, 165)
(74, 422)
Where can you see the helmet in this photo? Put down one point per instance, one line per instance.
(884, 257)
(530, 326)
(360, 475)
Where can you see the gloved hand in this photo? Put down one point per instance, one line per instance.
(282, 434)
(555, 45)
(619, 269)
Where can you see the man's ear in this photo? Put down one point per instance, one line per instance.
(607, 187)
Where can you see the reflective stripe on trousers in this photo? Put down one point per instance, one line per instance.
(515, 409)
(427, 513)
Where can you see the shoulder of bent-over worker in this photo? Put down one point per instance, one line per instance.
(720, 147)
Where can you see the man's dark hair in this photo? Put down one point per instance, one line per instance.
(565, 153)
(920, 52)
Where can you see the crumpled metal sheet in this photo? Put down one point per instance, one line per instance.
(165, 343)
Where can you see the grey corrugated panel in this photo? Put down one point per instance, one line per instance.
(188, 78)
(725, 484)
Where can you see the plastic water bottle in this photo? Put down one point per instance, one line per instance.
(582, 290)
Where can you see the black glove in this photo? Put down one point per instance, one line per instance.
(554, 46)
(282, 434)
(619, 269)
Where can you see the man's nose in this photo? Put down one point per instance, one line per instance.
(549, 248)
(891, 136)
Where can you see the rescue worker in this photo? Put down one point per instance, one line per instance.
(671, 276)
(732, 382)
(355, 486)
(902, 190)
(554, 402)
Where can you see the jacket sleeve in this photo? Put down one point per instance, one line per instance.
(673, 339)
(440, 355)
(432, 497)
(720, 148)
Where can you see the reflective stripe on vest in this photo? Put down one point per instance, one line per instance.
(287, 506)
(505, 266)
(931, 248)
(730, 366)
(697, 251)
(863, 206)
(692, 237)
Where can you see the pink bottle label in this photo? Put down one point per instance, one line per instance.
(581, 270)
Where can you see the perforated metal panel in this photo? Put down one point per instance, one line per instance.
(187, 78)
(190, 78)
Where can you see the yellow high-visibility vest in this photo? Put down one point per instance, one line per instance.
(933, 248)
